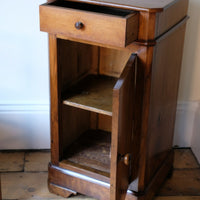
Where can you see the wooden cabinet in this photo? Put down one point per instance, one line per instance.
(114, 76)
(0, 188)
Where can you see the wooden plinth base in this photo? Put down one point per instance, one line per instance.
(65, 183)
(64, 192)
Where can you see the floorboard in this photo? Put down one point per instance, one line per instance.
(24, 177)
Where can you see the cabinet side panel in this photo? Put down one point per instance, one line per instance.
(112, 61)
(170, 16)
(75, 122)
(0, 188)
(55, 99)
(164, 90)
(104, 122)
(100, 121)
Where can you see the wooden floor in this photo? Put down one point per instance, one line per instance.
(24, 176)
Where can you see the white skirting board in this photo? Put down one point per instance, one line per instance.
(187, 126)
(27, 126)
(196, 134)
(24, 127)
(184, 124)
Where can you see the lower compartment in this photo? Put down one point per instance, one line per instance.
(91, 151)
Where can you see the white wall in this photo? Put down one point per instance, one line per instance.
(190, 75)
(187, 131)
(24, 83)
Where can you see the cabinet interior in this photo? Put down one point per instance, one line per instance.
(92, 8)
(94, 93)
(88, 75)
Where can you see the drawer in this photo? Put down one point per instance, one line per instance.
(94, 23)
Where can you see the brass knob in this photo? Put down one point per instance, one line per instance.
(125, 158)
(79, 25)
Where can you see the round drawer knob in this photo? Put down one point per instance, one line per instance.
(79, 25)
(126, 159)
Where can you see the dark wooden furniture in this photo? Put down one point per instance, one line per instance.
(0, 188)
(114, 76)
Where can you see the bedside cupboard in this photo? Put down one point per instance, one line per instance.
(114, 78)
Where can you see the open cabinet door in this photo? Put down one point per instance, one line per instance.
(122, 131)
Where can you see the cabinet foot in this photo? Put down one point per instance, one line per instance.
(64, 192)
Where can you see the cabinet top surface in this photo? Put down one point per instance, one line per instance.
(143, 5)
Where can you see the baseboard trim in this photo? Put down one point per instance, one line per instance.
(24, 126)
(24, 107)
(27, 126)
(184, 125)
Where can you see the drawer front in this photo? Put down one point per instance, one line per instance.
(90, 26)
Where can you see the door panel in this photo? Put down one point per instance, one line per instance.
(122, 131)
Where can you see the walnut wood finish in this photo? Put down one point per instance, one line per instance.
(124, 23)
(0, 188)
(164, 91)
(142, 5)
(91, 151)
(141, 122)
(55, 97)
(112, 61)
(93, 93)
(122, 131)
(61, 190)
(169, 17)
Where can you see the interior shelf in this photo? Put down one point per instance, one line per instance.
(93, 93)
(91, 151)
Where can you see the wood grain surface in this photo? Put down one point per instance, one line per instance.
(0, 188)
(142, 5)
(91, 150)
(60, 18)
(122, 131)
(93, 93)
